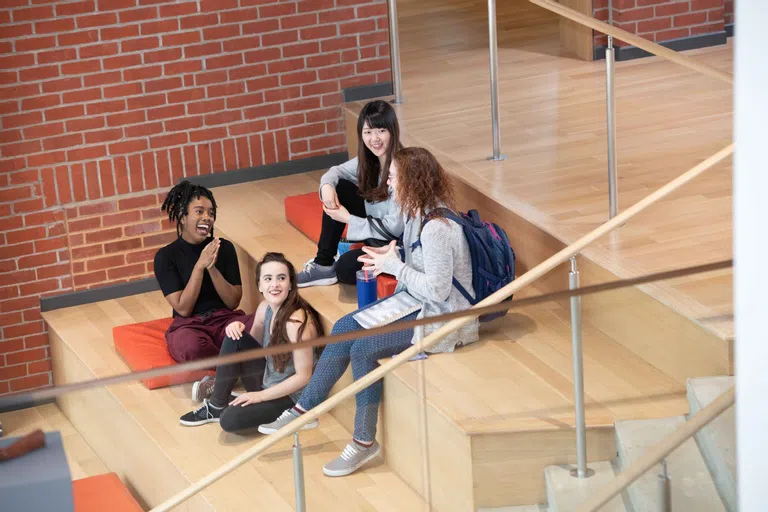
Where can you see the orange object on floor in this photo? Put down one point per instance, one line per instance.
(101, 493)
(385, 285)
(305, 213)
(142, 346)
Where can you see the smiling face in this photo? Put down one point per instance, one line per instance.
(376, 140)
(274, 283)
(197, 224)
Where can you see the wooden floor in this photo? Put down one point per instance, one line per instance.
(553, 133)
(83, 462)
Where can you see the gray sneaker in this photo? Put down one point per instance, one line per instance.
(288, 416)
(351, 459)
(316, 275)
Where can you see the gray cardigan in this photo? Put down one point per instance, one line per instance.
(428, 273)
(360, 228)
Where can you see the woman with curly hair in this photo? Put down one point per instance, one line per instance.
(356, 195)
(282, 318)
(198, 275)
(434, 257)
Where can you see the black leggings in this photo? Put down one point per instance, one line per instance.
(237, 418)
(330, 235)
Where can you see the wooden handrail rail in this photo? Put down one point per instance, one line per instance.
(634, 39)
(659, 451)
(435, 337)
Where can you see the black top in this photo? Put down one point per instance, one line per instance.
(174, 264)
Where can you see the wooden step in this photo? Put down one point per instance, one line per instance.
(136, 432)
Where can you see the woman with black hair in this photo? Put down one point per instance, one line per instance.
(198, 275)
(355, 194)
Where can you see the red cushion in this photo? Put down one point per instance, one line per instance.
(103, 492)
(305, 213)
(385, 285)
(143, 347)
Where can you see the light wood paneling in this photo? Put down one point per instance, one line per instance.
(575, 38)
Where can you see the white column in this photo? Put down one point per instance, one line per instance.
(750, 186)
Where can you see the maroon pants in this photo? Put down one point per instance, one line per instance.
(201, 336)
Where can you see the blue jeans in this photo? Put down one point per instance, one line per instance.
(363, 353)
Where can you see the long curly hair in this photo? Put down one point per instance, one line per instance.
(422, 183)
(293, 302)
(177, 201)
(371, 178)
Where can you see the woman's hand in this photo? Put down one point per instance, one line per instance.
(235, 330)
(246, 399)
(375, 257)
(208, 257)
(340, 214)
(329, 197)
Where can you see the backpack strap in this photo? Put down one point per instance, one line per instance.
(446, 212)
(378, 226)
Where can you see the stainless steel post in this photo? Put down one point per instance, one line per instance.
(394, 48)
(610, 101)
(298, 474)
(578, 374)
(665, 488)
(494, 50)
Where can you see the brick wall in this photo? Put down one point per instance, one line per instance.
(105, 103)
(728, 15)
(662, 20)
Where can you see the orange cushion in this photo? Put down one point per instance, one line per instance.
(143, 347)
(103, 492)
(385, 285)
(305, 213)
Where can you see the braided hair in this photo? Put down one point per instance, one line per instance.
(177, 201)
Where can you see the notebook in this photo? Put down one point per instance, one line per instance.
(389, 310)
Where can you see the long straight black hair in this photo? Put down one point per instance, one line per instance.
(371, 178)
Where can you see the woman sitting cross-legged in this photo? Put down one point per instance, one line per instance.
(422, 188)
(283, 317)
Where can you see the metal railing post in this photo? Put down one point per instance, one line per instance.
(665, 488)
(610, 105)
(298, 474)
(494, 51)
(394, 47)
(578, 375)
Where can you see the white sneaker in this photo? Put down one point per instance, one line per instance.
(351, 459)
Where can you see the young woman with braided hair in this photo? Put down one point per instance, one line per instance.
(198, 275)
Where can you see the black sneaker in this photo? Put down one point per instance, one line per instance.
(206, 413)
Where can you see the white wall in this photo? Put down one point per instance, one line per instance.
(751, 251)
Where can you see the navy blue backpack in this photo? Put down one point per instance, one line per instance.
(493, 260)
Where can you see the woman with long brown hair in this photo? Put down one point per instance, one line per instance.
(356, 195)
(435, 256)
(273, 384)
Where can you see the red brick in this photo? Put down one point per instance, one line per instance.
(9, 107)
(22, 120)
(93, 277)
(31, 315)
(121, 218)
(278, 10)
(39, 367)
(33, 13)
(82, 95)
(122, 245)
(120, 91)
(707, 29)
(127, 271)
(694, 18)
(302, 77)
(132, 146)
(38, 73)
(152, 100)
(20, 91)
(370, 11)
(25, 235)
(36, 340)
(42, 218)
(56, 114)
(107, 178)
(19, 304)
(122, 61)
(182, 38)
(228, 89)
(97, 20)
(21, 148)
(35, 43)
(105, 107)
(654, 25)
(53, 271)
(141, 229)
(11, 345)
(166, 112)
(199, 50)
(103, 136)
(670, 9)
(208, 134)
(184, 123)
(132, 203)
(321, 32)
(88, 251)
(87, 123)
(82, 67)
(319, 61)
(17, 30)
(108, 34)
(372, 65)
(11, 136)
(280, 38)
(284, 93)
(174, 139)
(71, 9)
(672, 34)
(226, 61)
(104, 263)
(139, 44)
(143, 130)
(103, 235)
(180, 9)
(204, 157)
(13, 372)
(201, 20)
(163, 84)
(375, 38)
(341, 43)
(21, 177)
(357, 27)
(204, 107)
(337, 15)
(33, 382)
(261, 26)
(142, 14)
(184, 66)
(158, 27)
